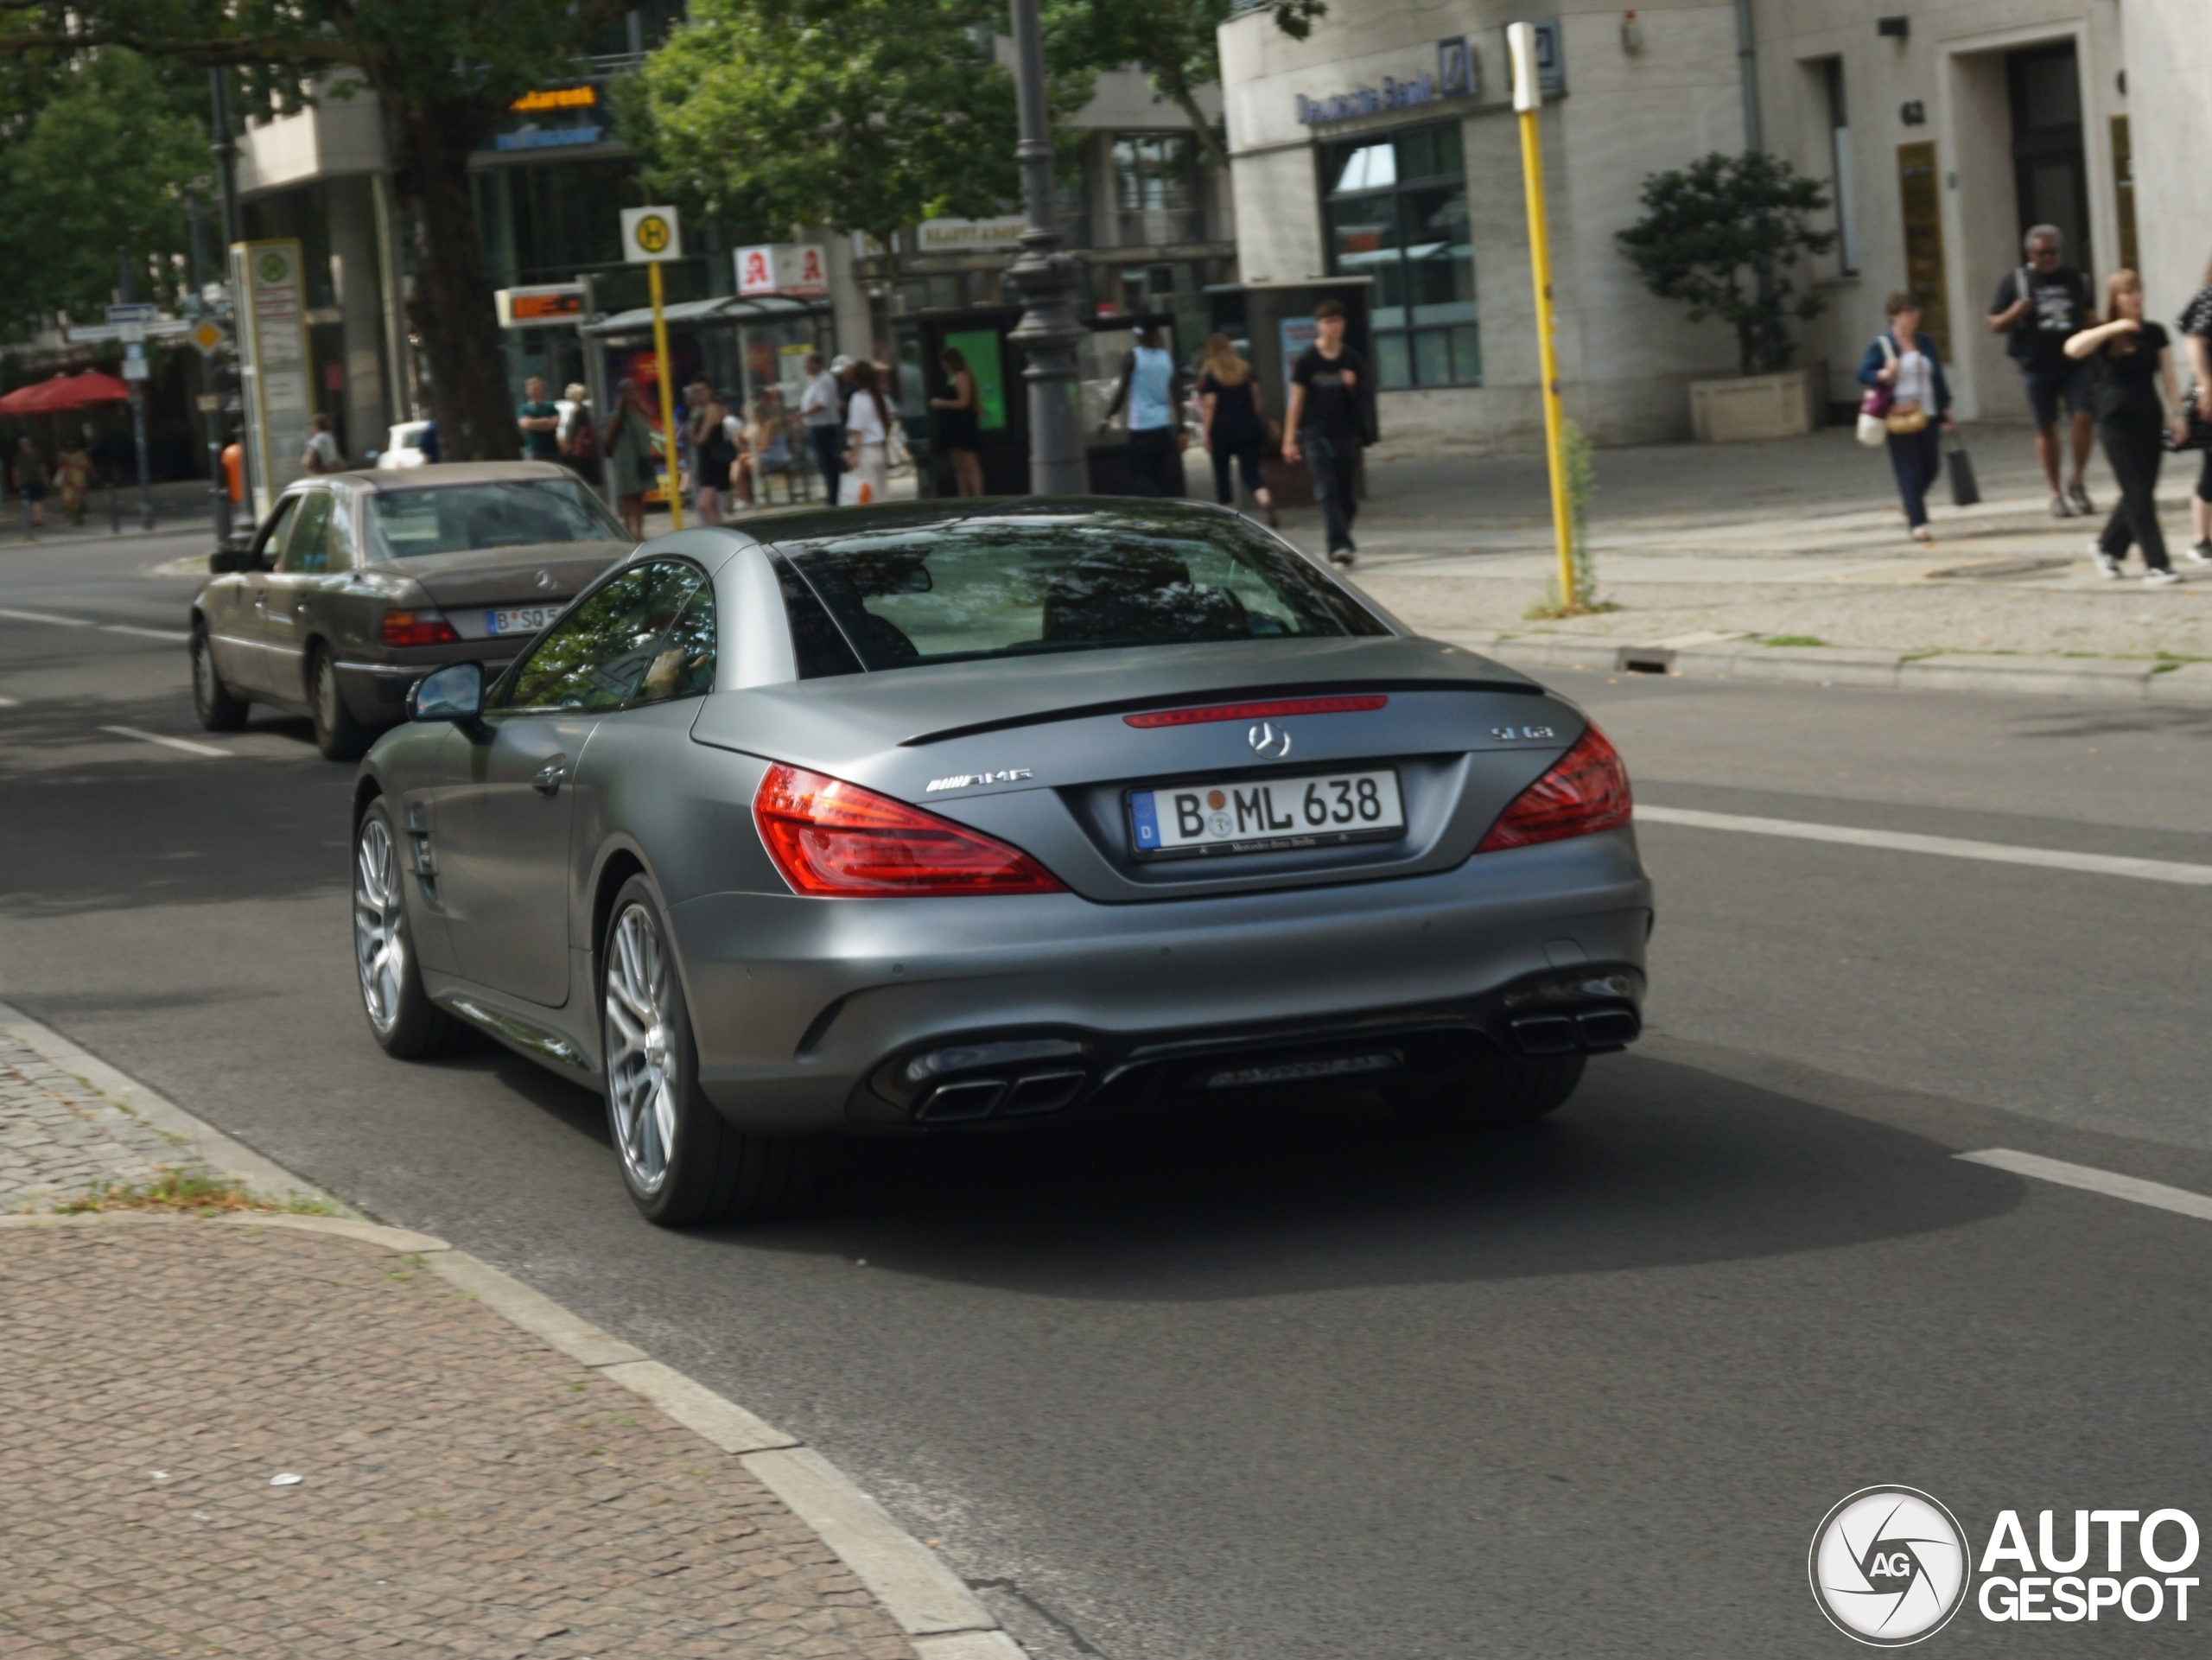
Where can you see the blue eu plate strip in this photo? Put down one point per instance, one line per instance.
(1140, 816)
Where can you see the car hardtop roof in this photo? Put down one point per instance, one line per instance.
(827, 523)
(436, 474)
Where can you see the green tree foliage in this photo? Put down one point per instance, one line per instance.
(1725, 234)
(1172, 40)
(863, 115)
(446, 72)
(95, 155)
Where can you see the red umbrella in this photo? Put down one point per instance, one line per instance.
(29, 400)
(80, 391)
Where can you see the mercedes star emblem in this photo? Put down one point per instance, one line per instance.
(1270, 739)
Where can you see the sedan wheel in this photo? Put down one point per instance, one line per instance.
(681, 1161)
(337, 733)
(211, 701)
(402, 1017)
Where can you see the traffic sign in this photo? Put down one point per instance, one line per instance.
(650, 235)
(139, 312)
(208, 336)
(134, 368)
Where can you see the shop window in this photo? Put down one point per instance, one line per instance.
(1156, 189)
(1397, 212)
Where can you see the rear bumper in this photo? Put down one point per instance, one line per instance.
(817, 1014)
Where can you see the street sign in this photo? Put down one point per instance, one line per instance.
(134, 368)
(650, 235)
(139, 312)
(540, 306)
(131, 333)
(790, 268)
(208, 402)
(208, 336)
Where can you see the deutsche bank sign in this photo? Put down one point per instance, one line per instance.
(1455, 77)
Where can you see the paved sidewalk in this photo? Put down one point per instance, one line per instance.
(460, 1489)
(1799, 539)
(278, 1434)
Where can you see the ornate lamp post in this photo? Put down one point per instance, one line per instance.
(1043, 274)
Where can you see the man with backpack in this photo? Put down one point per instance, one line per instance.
(2038, 309)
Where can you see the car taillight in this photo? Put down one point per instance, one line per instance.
(418, 628)
(1585, 791)
(834, 840)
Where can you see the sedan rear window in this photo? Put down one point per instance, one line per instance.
(1017, 584)
(514, 514)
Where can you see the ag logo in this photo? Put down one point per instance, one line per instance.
(1889, 1566)
(274, 267)
(653, 233)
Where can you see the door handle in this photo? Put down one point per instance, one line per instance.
(261, 600)
(548, 778)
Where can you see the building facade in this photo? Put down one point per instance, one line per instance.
(1384, 145)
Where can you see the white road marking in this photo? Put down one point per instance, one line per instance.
(185, 744)
(42, 616)
(145, 633)
(10, 703)
(1949, 847)
(2156, 1194)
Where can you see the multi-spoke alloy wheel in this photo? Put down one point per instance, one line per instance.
(643, 1082)
(379, 933)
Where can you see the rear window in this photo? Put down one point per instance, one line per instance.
(1021, 585)
(517, 513)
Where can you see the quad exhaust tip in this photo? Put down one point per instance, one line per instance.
(1595, 1032)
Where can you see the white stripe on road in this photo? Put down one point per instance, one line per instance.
(145, 633)
(40, 616)
(1949, 847)
(9, 702)
(2132, 1188)
(185, 744)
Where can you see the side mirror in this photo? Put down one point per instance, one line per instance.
(224, 559)
(453, 693)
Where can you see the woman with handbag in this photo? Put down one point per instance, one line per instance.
(1908, 393)
(1235, 430)
(2132, 360)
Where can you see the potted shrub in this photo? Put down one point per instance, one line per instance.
(1725, 233)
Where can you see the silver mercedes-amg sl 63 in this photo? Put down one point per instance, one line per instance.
(947, 818)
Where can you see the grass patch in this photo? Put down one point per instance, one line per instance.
(194, 1193)
(1553, 612)
(1793, 639)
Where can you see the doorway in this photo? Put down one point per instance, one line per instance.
(2050, 168)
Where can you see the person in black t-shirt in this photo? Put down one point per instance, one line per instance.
(2037, 308)
(2132, 360)
(1329, 394)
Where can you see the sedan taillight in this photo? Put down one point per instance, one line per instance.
(417, 628)
(834, 840)
(1585, 791)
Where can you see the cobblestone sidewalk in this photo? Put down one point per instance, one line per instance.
(216, 1439)
(240, 1438)
(60, 1137)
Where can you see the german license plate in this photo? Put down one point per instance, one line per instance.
(1186, 821)
(520, 620)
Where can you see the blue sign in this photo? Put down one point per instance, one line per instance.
(140, 313)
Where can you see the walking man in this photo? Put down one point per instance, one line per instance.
(1152, 391)
(2038, 308)
(818, 412)
(1329, 389)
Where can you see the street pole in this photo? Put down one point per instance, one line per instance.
(667, 403)
(1527, 104)
(218, 431)
(131, 350)
(1043, 276)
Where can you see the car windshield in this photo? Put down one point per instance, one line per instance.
(1012, 585)
(499, 513)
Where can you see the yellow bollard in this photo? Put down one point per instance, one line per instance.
(1527, 104)
(667, 403)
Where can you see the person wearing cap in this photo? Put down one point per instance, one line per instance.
(821, 414)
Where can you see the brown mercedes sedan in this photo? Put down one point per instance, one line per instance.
(360, 583)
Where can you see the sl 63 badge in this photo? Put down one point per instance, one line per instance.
(1514, 734)
(969, 780)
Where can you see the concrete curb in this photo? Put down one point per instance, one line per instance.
(941, 1617)
(2118, 679)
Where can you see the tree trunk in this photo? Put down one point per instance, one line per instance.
(451, 308)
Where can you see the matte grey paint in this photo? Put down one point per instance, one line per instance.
(1130, 949)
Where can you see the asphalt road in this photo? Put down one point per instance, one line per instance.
(1290, 1384)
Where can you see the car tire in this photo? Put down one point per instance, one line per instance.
(402, 1018)
(1502, 1092)
(337, 733)
(681, 1161)
(219, 710)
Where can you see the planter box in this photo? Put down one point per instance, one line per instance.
(1756, 406)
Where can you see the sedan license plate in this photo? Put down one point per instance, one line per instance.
(1186, 821)
(520, 620)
